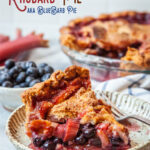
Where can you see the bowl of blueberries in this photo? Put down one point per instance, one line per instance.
(16, 77)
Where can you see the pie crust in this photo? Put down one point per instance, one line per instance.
(64, 108)
(112, 36)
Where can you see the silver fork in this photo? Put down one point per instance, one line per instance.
(120, 115)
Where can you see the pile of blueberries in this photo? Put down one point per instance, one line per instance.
(23, 74)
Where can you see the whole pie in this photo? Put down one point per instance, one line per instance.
(123, 35)
(63, 113)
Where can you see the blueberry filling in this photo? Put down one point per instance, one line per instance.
(116, 141)
(80, 140)
(113, 53)
(89, 132)
(95, 142)
(49, 144)
(38, 142)
(86, 136)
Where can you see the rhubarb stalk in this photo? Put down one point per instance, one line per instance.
(21, 44)
(3, 38)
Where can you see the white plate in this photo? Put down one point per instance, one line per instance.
(140, 137)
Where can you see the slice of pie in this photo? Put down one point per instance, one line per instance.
(63, 113)
(112, 36)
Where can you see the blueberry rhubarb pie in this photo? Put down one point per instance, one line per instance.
(123, 35)
(63, 113)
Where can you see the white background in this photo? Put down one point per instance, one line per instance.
(11, 18)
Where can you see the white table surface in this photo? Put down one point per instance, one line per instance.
(53, 56)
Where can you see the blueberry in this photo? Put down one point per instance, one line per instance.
(9, 63)
(116, 141)
(7, 84)
(4, 77)
(21, 77)
(13, 72)
(80, 140)
(32, 72)
(29, 79)
(18, 68)
(34, 82)
(42, 65)
(30, 64)
(95, 142)
(23, 85)
(48, 69)
(45, 77)
(41, 71)
(88, 133)
(38, 142)
(57, 141)
(49, 145)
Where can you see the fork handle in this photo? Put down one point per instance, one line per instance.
(142, 119)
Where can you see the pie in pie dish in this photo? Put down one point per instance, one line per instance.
(123, 35)
(63, 113)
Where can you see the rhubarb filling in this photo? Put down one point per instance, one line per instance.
(73, 135)
(63, 91)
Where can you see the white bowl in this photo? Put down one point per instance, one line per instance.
(10, 98)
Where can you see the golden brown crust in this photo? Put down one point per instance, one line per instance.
(84, 101)
(54, 82)
(77, 43)
(74, 105)
(55, 90)
(112, 32)
(141, 60)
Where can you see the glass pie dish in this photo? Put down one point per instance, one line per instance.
(102, 68)
(114, 45)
